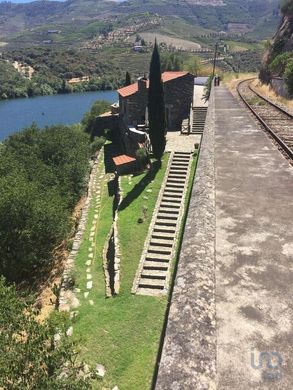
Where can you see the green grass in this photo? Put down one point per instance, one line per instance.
(122, 333)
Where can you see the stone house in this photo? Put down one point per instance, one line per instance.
(178, 90)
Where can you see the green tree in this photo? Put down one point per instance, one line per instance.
(193, 65)
(287, 7)
(42, 176)
(156, 106)
(89, 119)
(32, 222)
(171, 62)
(288, 77)
(127, 79)
(35, 355)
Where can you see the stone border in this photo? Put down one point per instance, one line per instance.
(188, 356)
(151, 228)
(117, 257)
(67, 298)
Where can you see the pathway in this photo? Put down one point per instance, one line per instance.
(232, 298)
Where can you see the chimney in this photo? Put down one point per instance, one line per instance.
(142, 84)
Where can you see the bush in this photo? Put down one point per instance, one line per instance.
(142, 156)
(42, 176)
(278, 65)
(35, 355)
(97, 144)
(89, 119)
(287, 7)
(288, 77)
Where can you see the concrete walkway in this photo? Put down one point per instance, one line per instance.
(232, 298)
(197, 96)
(177, 142)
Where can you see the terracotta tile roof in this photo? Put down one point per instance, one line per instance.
(123, 159)
(168, 76)
(133, 88)
(129, 90)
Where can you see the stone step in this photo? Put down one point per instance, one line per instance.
(164, 229)
(165, 210)
(176, 160)
(175, 186)
(158, 257)
(152, 283)
(155, 263)
(173, 197)
(166, 222)
(164, 236)
(168, 242)
(173, 192)
(158, 250)
(153, 274)
(170, 205)
(171, 217)
(155, 266)
(149, 292)
(177, 176)
(176, 180)
(180, 169)
(181, 154)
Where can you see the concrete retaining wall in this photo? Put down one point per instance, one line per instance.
(189, 350)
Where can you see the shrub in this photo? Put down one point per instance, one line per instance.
(287, 7)
(35, 355)
(278, 65)
(42, 176)
(141, 156)
(89, 119)
(288, 77)
(97, 144)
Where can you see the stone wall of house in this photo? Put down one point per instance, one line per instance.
(135, 107)
(110, 122)
(178, 98)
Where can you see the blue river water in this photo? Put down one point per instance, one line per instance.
(47, 110)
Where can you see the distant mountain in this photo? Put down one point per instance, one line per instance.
(259, 16)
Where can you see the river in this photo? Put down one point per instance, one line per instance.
(47, 110)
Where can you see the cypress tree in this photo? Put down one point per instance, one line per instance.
(156, 106)
(127, 79)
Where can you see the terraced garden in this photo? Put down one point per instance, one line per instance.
(121, 333)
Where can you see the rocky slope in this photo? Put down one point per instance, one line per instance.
(278, 60)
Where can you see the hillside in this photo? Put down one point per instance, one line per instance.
(278, 60)
(31, 21)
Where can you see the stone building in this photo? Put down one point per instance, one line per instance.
(178, 89)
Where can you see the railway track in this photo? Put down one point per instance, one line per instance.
(277, 121)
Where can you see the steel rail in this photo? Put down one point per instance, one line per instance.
(262, 121)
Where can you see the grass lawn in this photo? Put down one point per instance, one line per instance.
(121, 333)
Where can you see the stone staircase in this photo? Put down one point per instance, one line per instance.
(154, 270)
(199, 118)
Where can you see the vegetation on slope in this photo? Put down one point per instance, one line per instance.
(35, 355)
(42, 176)
(53, 70)
(279, 58)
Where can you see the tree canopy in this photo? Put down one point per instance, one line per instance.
(42, 176)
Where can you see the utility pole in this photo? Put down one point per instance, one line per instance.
(215, 58)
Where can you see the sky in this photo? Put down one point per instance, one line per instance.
(22, 1)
